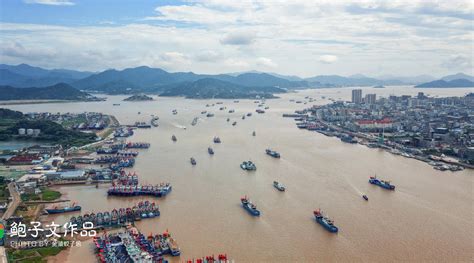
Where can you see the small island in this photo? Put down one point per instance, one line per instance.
(139, 97)
(379, 87)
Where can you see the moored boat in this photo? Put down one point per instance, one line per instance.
(325, 221)
(272, 153)
(248, 165)
(382, 183)
(279, 186)
(249, 206)
(63, 209)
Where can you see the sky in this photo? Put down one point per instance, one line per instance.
(303, 38)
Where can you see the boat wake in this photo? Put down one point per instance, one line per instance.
(179, 126)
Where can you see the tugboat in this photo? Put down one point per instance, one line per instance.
(273, 154)
(384, 184)
(279, 186)
(217, 140)
(249, 206)
(193, 161)
(248, 165)
(63, 209)
(210, 150)
(365, 197)
(173, 138)
(326, 222)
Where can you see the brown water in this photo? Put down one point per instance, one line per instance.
(428, 217)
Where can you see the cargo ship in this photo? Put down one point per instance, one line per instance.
(326, 222)
(210, 150)
(384, 184)
(273, 154)
(279, 186)
(193, 161)
(248, 166)
(249, 206)
(137, 190)
(58, 209)
(217, 140)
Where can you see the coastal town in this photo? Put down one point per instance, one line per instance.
(439, 131)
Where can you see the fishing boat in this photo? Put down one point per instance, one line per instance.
(217, 140)
(279, 186)
(248, 166)
(210, 115)
(325, 221)
(210, 150)
(234, 123)
(273, 154)
(228, 119)
(58, 209)
(384, 184)
(193, 161)
(249, 114)
(175, 112)
(194, 122)
(365, 197)
(173, 138)
(243, 117)
(253, 133)
(249, 206)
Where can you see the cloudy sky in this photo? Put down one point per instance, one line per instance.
(303, 38)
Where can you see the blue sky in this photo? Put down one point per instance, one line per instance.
(297, 37)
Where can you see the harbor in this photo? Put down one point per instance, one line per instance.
(319, 171)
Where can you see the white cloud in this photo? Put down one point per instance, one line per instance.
(50, 2)
(458, 62)
(304, 37)
(328, 59)
(266, 62)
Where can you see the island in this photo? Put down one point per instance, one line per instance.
(213, 88)
(379, 87)
(139, 97)
(455, 83)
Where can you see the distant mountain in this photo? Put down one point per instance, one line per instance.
(213, 88)
(456, 83)
(354, 80)
(411, 80)
(59, 91)
(458, 76)
(145, 79)
(24, 75)
(287, 77)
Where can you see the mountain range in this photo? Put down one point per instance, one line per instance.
(24, 75)
(155, 80)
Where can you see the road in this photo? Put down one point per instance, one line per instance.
(16, 200)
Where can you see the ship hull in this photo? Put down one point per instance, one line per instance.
(330, 228)
(63, 210)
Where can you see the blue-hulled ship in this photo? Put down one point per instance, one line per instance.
(326, 222)
(384, 184)
(249, 206)
(248, 166)
(272, 153)
(63, 209)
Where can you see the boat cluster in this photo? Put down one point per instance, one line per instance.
(125, 178)
(137, 190)
(123, 132)
(221, 258)
(133, 246)
(136, 145)
(120, 217)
